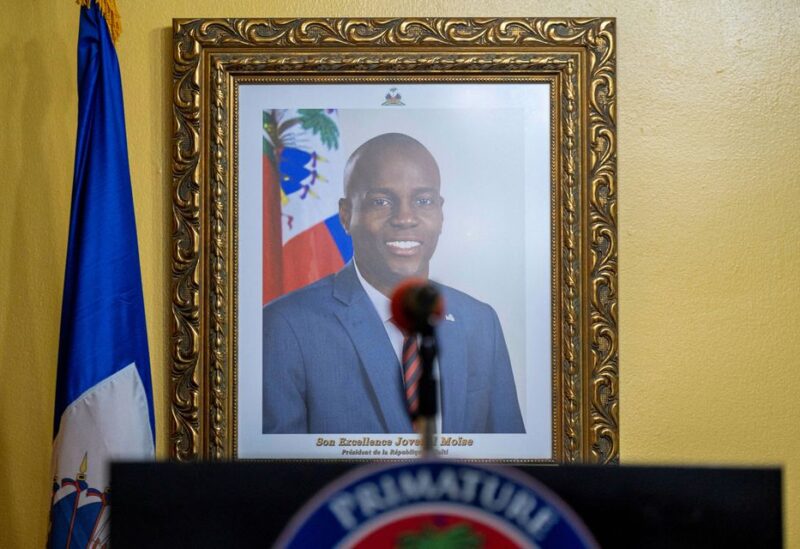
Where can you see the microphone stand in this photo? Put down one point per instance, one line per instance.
(428, 393)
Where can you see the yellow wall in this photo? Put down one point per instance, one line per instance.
(709, 157)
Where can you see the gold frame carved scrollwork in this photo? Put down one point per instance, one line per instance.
(577, 55)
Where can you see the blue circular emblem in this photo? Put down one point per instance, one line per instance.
(435, 503)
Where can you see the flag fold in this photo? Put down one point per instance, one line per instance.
(104, 401)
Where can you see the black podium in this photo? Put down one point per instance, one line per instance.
(246, 504)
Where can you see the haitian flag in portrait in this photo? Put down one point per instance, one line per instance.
(104, 400)
(302, 184)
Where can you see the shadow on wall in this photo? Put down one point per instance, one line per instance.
(39, 106)
(161, 41)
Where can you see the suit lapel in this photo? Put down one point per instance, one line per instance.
(453, 371)
(364, 326)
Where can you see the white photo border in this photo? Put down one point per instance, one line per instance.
(527, 321)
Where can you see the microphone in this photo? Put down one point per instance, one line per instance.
(417, 306)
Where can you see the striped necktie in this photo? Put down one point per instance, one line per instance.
(411, 372)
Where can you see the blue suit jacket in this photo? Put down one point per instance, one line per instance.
(329, 366)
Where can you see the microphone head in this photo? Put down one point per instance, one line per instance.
(416, 305)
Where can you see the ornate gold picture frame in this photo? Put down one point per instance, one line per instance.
(219, 64)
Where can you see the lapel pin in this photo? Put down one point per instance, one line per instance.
(449, 317)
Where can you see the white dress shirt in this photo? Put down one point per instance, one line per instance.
(383, 306)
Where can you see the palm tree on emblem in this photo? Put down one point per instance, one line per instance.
(293, 162)
(430, 537)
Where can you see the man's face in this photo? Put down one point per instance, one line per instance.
(393, 212)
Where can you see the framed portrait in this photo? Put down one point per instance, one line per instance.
(317, 163)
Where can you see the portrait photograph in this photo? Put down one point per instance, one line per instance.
(344, 191)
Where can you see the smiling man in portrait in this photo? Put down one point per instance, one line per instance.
(333, 359)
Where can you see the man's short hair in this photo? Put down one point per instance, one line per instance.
(374, 148)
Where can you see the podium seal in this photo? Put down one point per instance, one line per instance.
(434, 503)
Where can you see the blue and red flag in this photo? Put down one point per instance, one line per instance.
(104, 400)
(303, 167)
